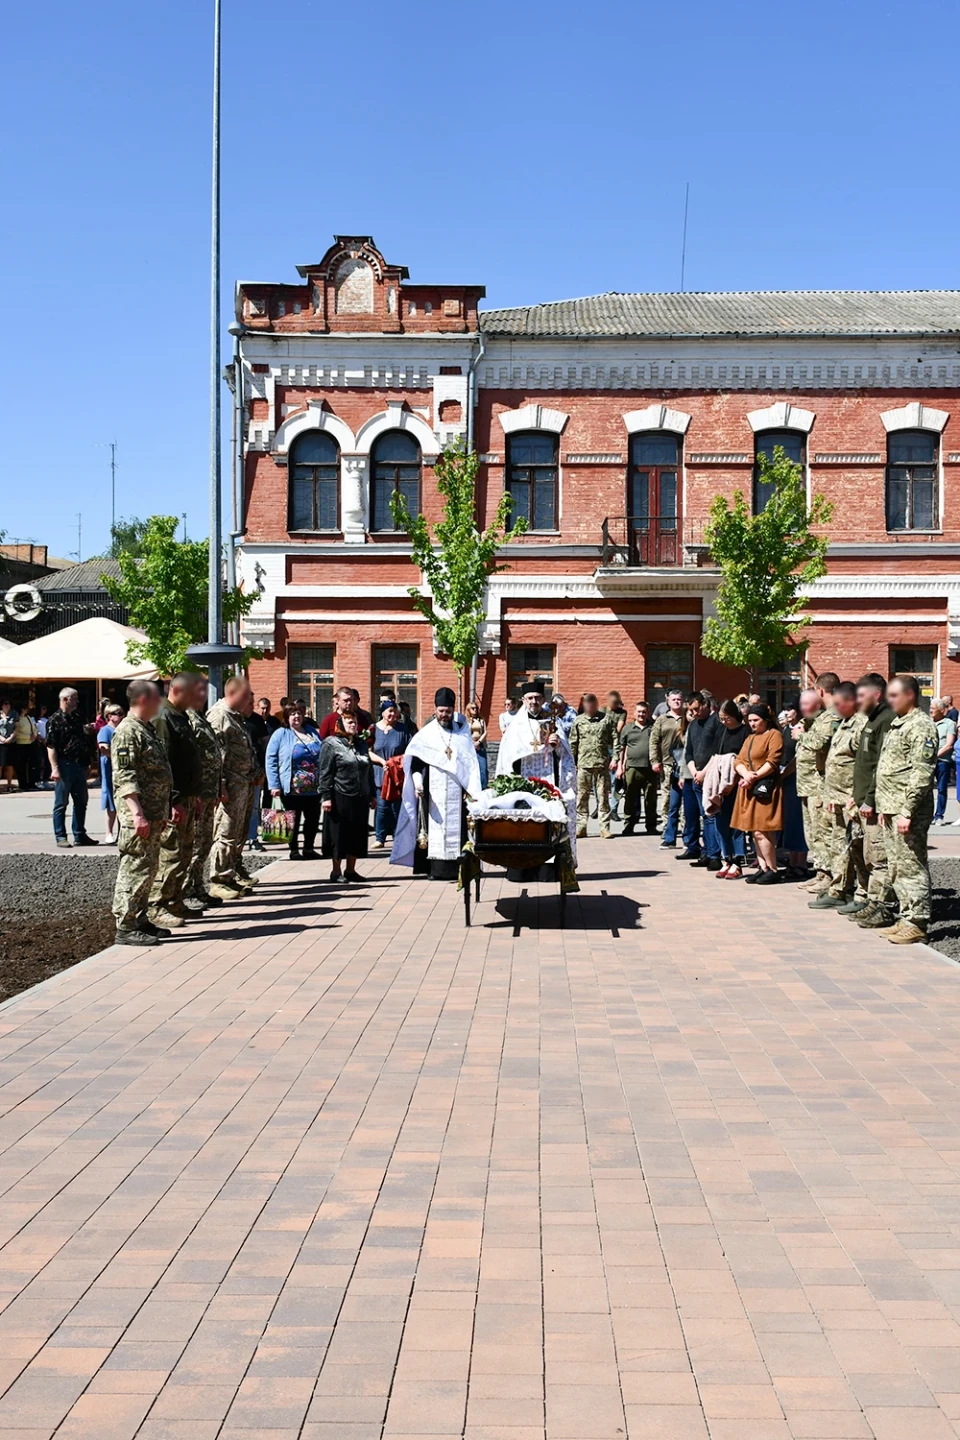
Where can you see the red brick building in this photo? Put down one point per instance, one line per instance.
(614, 421)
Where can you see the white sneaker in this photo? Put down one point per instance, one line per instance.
(955, 822)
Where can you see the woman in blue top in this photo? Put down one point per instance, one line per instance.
(293, 768)
(113, 715)
(390, 737)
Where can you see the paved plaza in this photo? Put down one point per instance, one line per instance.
(333, 1167)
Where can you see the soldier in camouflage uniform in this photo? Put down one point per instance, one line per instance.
(813, 742)
(847, 891)
(905, 776)
(881, 900)
(239, 769)
(665, 730)
(176, 846)
(593, 739)
(141, 786)
(211, 791)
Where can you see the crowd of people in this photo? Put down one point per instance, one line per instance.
(837, 791)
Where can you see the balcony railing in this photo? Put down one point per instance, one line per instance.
(650, 540)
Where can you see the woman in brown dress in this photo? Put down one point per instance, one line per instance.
(759, 803)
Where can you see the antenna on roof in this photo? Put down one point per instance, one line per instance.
(683, 248)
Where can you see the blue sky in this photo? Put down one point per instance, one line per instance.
(539, 149)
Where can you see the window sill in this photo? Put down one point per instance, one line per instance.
(536, 533)
(895, 533)
(327, 534)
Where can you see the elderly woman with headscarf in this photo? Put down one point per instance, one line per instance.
(759, 803)
(347, 794)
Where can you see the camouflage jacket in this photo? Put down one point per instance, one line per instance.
(593, 739)
(140, 767)
(239, 759)
(812, 750)
(907, 766)
(211, 756)
(841, 758)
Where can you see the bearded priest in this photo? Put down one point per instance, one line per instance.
(440, 767)
(536, 748)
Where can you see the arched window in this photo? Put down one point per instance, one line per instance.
(532, 478)
(396, 471)
(653, 494)
(912, 487)
(794, 444)
(315, 482)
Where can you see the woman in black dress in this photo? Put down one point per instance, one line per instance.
(347, 793)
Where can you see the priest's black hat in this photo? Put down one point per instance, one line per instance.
(445, 696)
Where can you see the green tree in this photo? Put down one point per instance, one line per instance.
(127, 537)
(766, 561)
(165, 590)
(458, 558)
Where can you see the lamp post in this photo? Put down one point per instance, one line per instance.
(214, 655)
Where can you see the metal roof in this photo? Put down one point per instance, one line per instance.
(85, 576)
(744, 312)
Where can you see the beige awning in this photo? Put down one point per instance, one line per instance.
(93, 649)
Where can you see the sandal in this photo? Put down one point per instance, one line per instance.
(734, 872)
(723, 872)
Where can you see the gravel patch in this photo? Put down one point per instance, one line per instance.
(944, 932)
(55, 910)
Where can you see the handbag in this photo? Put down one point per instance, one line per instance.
(764, 788)
(276, 824)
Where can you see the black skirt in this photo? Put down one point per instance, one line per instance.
(346, 827)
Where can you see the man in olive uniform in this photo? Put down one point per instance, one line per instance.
(239, 770)
(141, 785)
(847, 891)
(812, 746)
(905, 772)
(665, 730)
(173, 726)
(211, 789)
(593, 739)
(871, 699)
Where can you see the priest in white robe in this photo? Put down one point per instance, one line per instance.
(440, 767)
(536, 747)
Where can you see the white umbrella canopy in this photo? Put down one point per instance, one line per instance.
(94, 649)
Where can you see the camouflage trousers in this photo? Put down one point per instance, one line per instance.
(844, 837)
(663, 803)
(879, 889)
(819, 832)
(230, 830)
(176, 853)
(589, 776)
(909, 872)
(202, 845)
(139, 859)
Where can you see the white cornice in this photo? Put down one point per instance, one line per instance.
(781, 415)
(915, 417)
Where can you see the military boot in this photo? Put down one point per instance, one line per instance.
(147, 927)
(880, 919)
(860, 915)
(905, 932)
(855, 906)
(826, 901)
(135, 937)
(205, 899)
(224, 890)
(164, 918)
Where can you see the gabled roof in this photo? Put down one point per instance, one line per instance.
(745, 312)
(80, 577)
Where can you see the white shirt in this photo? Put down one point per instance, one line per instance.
(505, 719)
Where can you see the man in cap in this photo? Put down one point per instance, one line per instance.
(440, 767)
(536, 746)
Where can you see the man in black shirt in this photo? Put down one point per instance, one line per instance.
(71, 748)
(703, 738)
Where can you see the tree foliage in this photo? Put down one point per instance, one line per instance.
(766, 562)
(458, 558)
(126, 538)
(165, 590)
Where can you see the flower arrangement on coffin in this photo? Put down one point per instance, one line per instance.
(531, 785)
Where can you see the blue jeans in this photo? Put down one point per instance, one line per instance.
(711, 840)
(731, 841)
(684, 800)
(72, 785)
(388, 813)
(253, 829)
(482, 762)
(943, 785)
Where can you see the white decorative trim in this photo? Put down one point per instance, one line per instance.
(593, 459)
(343, 592)
(656, 417)
(315, 417)
(533, 417)
(718, 459)
(588, 618)
(354, 496)
(781, 416)
(397, 417)
(848, 459)
(353, 617)
(915, 417)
